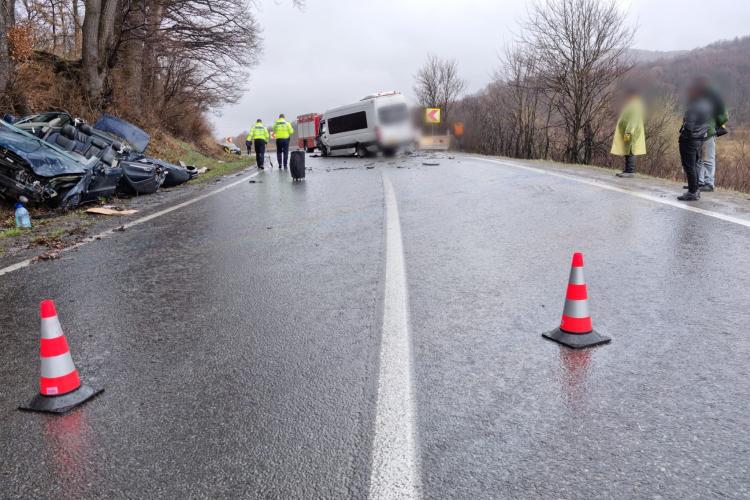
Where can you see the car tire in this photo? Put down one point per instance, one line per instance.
(324, 150)
(362, 151)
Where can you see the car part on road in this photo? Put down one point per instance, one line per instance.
(297, 165)
(141, 178)
(362, 151)
(60, 388)
(575, 329)
(177, 174)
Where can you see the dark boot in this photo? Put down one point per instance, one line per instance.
(690, 196)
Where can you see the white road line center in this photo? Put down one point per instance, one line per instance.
(395, 471)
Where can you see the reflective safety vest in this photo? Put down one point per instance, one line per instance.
(259, 131)
(282, 129)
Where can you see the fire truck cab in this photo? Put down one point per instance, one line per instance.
(307, 131)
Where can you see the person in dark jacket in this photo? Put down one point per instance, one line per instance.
(717, 127)
(695, 126)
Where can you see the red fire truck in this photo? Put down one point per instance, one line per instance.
(307, 131)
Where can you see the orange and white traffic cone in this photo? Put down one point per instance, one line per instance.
(60, 389)
(575, 328)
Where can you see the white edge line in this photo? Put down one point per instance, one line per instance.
(610, 187)
(109, 232)
(394, 470)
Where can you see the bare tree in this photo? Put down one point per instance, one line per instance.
(581, 48)
(438, 84)
(524, 96)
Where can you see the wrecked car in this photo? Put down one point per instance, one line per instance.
(231, 148)
(88, 162)
(142, 174)
(59, 170)
(137, 174)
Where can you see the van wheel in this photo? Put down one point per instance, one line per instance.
(324, 150)
(362, 151)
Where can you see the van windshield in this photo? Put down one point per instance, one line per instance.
(393, 114)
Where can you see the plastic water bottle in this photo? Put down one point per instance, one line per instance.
(23, 219)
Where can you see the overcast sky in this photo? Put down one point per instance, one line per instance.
(337, 51)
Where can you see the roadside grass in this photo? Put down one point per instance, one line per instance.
(11, 233)
(210, 156)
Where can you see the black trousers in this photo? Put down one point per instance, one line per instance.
(629, 164)
(282, 150)
(690, 150)
(260, 151)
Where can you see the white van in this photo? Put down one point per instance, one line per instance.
(379, 122)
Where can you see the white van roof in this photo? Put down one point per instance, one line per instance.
(380, 94)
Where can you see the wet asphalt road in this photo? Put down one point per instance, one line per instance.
(238, 343)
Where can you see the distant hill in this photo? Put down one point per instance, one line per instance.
(647, 56)
(726, 63)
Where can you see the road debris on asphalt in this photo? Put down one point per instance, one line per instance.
(111, 210)
(52, 255)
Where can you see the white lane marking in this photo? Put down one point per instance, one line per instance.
(395, 473)
(610, 187)
(109, 232)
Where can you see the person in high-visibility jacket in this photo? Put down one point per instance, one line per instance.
(282, 130)
(629, 139)
(258, 137)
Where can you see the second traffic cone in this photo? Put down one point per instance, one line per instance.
(575, 328)
(60, 389)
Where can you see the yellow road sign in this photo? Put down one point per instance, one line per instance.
(432, 115)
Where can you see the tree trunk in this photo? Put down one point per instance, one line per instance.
(98, 31)
(132, 61)
(76, 27)
(7, 68)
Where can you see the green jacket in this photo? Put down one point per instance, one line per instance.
(282, 129)
(630, 123)
(259, 131)
(721, 114)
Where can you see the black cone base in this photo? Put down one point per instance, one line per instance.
(576, 341)
(61, 404)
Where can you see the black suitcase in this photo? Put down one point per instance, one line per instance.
(297, 165)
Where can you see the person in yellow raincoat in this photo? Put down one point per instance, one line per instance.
(630, 134)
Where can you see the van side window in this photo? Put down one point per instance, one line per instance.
(347, 123)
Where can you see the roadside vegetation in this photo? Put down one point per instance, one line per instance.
(554, 93)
